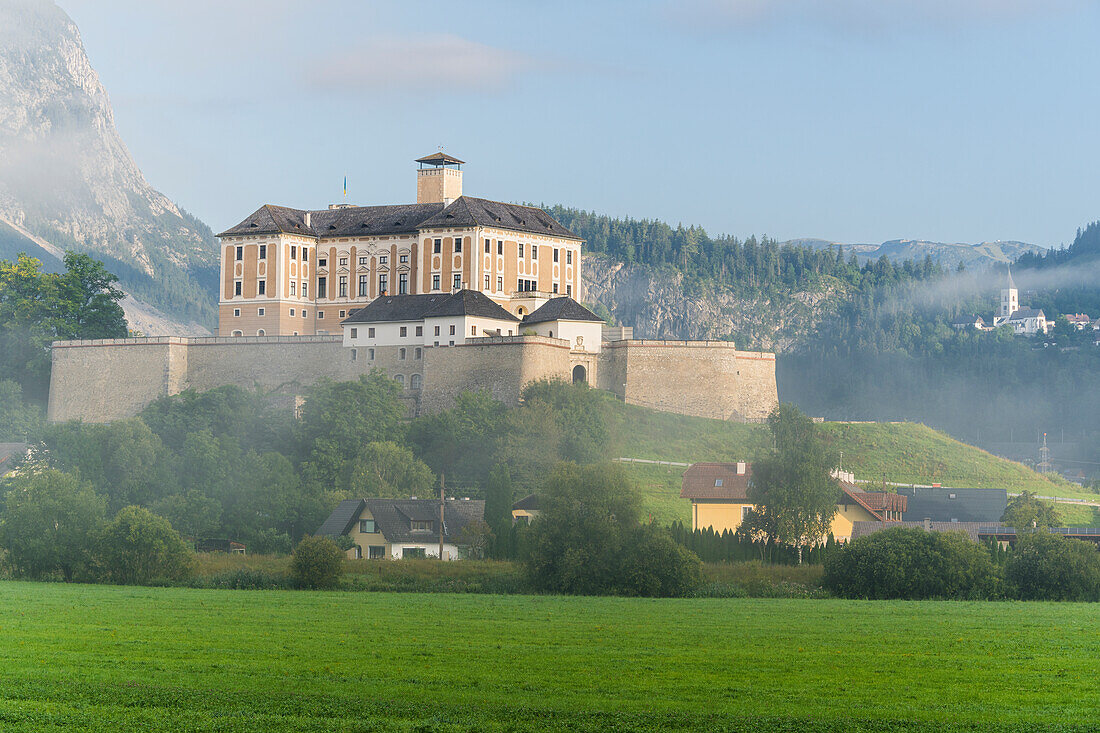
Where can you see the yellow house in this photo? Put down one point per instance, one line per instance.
(720, 500)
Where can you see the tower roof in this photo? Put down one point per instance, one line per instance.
(1011, 282)
(438, 159)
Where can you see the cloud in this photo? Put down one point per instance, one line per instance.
(421, 64)
(860, 16)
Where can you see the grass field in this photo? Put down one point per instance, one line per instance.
(101, 658)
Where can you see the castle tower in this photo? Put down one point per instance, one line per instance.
(439, 179)
(1010, 298)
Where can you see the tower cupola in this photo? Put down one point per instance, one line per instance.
(439, 179)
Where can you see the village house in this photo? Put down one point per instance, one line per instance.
(1079, 321)
(1024, 321)
(383, 529)
(525, 510)
(719, 500)
(964, 322)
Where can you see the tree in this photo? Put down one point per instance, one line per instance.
(1027, 513)
(317, 563)
(587, 539)
(793, 487)
(19, 421)
(498, 497)
(386, 469)
(138, 547)
(50, 519)
(1045, 566)
(192, 513)
(90, 299)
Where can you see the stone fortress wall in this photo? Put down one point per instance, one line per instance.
(103, 380)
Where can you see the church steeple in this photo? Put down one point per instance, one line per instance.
(1010, 297)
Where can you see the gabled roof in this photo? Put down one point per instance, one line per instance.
(716, 481)
(1022, 313)
(354, 221)
(862, 529)
(391, 308)
(968, 505)
(967, 320)
(342, 519)
(561, 309)
(470, 303)
(528, 503)
(392, 517)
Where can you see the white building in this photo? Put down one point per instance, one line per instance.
(1024, 321)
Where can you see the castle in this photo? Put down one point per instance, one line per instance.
(448, 294)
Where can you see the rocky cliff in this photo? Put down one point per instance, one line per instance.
(658, 304)
(67, 178)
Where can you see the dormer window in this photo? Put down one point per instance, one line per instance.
(421, 525)
(717, 482)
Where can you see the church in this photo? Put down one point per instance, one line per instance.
(1024, 321)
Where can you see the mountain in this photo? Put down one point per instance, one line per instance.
(949, 254)
(67, 180)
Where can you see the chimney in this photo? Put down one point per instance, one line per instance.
(741, 468)
(927, 524)
(307, 217)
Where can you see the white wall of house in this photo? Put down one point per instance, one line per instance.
(589, 333)
(388, 333)
(450, 552)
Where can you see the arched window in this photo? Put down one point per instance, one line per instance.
(580, 374)
(238, 333)
(260, 332)
(400, 380)
(551, 334)
(414, 382)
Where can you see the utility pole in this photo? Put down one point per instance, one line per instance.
(442, 499)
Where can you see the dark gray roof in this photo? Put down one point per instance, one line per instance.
(399, 218)
(392, 517)
(561, 309)
(528, 503)
(969, 505)
(417, 307)
(1023, 313)
(439, 158)
(967, 320)
(470, 303)
(862, 529)
(342, 519)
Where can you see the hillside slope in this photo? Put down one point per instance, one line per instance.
(66, 176)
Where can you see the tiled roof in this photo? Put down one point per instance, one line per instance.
(716, 481)
(528, 503)
(391, 308)
(392, 517)
(862, 529)
(968, 505)
(1023, 313)
(470, 303)
(354, 221)
(561, 309)
(439, 158)
(342, 519)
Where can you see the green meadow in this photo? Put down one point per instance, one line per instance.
(101, 658)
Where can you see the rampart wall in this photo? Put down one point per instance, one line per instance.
(702, 378)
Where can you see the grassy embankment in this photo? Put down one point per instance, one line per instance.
(102, 658)
(902, 452)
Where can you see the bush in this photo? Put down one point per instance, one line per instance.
(247, 579)
(911, 564)
(1049, 567)
(137, 547)
(654, 565)
(317, 562)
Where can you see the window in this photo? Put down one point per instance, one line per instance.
(414, 382)
(555, 287)
(383, 259)
(401, 354)
(344, 261)
(487, 285)
(236, 312)
(260, 332)
(569, 257)
(569, 290)
(362, 261)
(304, 313)
(343, 286)
(400, 379)
(320, 315)
(500, 246)
(293, 252)
(437, 330)
(458, 244)
(452, 331)
(261, 311)
(416, 352)
(521, 249)
(451, 343)
(404, 331)
(238, 333)
(343, 313)
(364, 285)
(322, 261)
(355, 333)
(435, 282)
(263, 251)
(370, 332)
(412, 552)
(302, 254)
(500, 284)
(403, 259)
(291, 312)
(555, 255)
(745, 512)
(366, 526)
(437, 246)
(322, 287)
(384, 284)
(240, 253)
(293, 288)
(422, 525)
(261, 287)
(487, 246)
(457, 282)
(419, 330)
(435, 343)
(473, 330)
(376, 552)
(370, 354)
(237, 288)
(534, 251)
(718, 481)
(403, 283)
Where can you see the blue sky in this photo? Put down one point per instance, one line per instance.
(851, 120)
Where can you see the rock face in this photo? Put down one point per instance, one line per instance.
(658, 305)
(66, 177)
